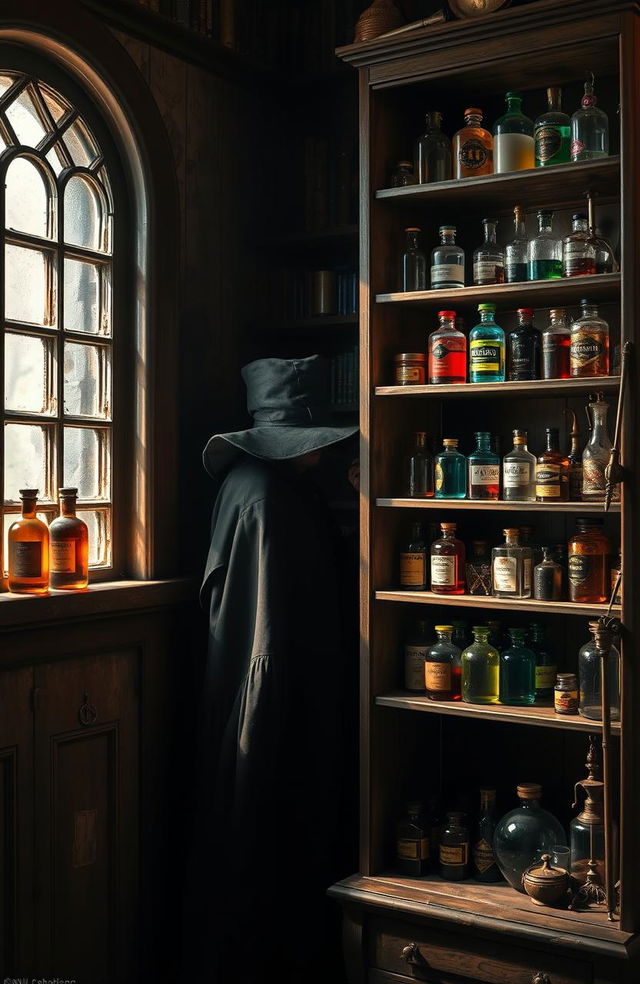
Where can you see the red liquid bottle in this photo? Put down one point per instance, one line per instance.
(447, 351)
(448, 562)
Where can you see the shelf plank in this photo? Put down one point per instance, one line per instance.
(544, 293)
(474, 505)
(497, 604)
(540, 715)
(536, 387)
(544, 186)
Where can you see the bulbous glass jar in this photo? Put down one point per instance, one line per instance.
(525, 834)
(589, 666)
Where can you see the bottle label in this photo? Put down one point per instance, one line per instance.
(548, 481)
(439, 476)
(486, 270)
(409, 374)
(565, 701)
(546, 677)
(483, 856)
(587, 350)
(454, 854)
(548, 140)
(413, 850)
(443, 571)
(516, 474)
(577, 148)
(505, 573)
(437, 677)
(63, 556)
(526, 574)
(414, 657)
(442, 356)
(25, 558)
(593, 479)
(484, 474)
(485, 355)
(472, 155)
(447, 273)
(412, 570)
(521, 355)
(580, 568)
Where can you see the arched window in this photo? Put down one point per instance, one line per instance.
(59, 222)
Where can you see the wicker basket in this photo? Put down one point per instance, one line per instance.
(381, 16)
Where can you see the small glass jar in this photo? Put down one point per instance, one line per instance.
(565, 694)
(403, 175)
(412, 841)
(454, 848)
(409, 368)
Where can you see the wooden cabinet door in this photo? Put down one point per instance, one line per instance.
(86, 800)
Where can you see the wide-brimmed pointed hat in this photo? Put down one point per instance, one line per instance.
(289, 402)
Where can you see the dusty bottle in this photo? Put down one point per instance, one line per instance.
(556, 345)
(433, 152)
(589, 343)
(419, 484)
(455, 853)
(69, 546)
(547, 578)
(28, 542)
(589, 562)
(472, 147)
(448, 562)
(413, 560)
(447, 261)
(578, 249)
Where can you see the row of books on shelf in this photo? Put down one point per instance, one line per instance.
(344, 379)
(329, 171)
(300, 294)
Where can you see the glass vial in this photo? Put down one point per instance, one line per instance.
(589, 343)
(414, 262)
(448, 562)
(28, 543)
(518, 471)
(447, 351)
(547, 578)
(480, 669)
(484, 469)
(472, 147)
(450, 471)
(552, 132)
(552, 471)
(488, 259)
(441, 680)
(512, 567)
(415, 652)
(578, 249)
(589, 562)
(412, 842)
(556, 345)
(589, 129)
(517, 671)
(545, 250)
(513, 144)
(419, 484)
(433, 152)
(516, 252)
(447, 261)
(413, 560)
(523, 359)
(589, 675)
(485, 868)
(455, 848)
(69, 546)
(403, 175)
(486, 348)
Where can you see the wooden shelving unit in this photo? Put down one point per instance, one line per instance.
(541, 293)
(489, 603)
(478, 505)
(539, 388)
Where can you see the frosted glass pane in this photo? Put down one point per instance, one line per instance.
(26, 198)
(80, 144)
(29, 384)
(81, 296)
(86, 380)
(55, 160)
(26, 285)
(99, 524)
(24, 118)
(5, 83)
(25, 460)
(85, 463)
(82, 214)
(55, 103)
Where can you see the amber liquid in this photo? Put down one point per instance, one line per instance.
(28, 555)
(589, 568)
(555, 356)
(69, 553)
(472, 152)
(454, 566)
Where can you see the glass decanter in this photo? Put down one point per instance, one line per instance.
(589, 128)
(589, 676)
(433, 152)
(523, 835)
(596, 454)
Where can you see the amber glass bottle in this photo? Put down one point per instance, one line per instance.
(69, 546)
(472, 147)
(448, 562)
(28, 549)
(552, 471)
(589, 563)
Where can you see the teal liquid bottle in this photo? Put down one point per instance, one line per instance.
(486, 348)
(450, 471)
(517, 672)
(480, 669)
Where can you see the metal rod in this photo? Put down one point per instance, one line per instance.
(604, 640)
(614, 473)
(439, 17)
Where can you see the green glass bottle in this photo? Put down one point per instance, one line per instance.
(486, 348)
(517, 671)
(513, 146)
(546, 662)
(552, 132)
(480, 669)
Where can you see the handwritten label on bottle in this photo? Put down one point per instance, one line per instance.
(413, 850)
(443, 571)
(443, 274)
(25, 558)
(63, 556)
(437, 676)
(454, 854)
(412, 570)
(505, 571)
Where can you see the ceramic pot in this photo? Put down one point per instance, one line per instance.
(545, 885)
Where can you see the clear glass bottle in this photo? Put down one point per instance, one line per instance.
(403, 175)
(576, 476)
(586, 831)
(589, 343)
(413, 560)
(442, 682)
(589, 128)
(415, 652)
(546, 662)
(447, 351)
(447, 261)
(513, 145)
(472, 147)
(595, 456)
(480, 669)
(486, 348)
(516, 252)
(589, 562)
(68, 546)
(419, 483)
(545, 250)
(488, 259)
(478, 569)
(414, 262)
(412, 842)
(433, 152)
(548, 578)
(519, 471)
(512, 566)
(28, 543)
(552, 132)
(589, 676)
(455, 853)
(578, 249)
(523, 835)
(517, 671)
(448, 562)
(450, 471)
(523, 348)
(485, 868)
(552, 471)
(484, 469)
(556, 344)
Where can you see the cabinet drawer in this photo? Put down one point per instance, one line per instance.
(443, 957)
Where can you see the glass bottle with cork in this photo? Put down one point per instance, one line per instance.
(442, 667)
(487, 348)
(433, 152)
(472, 147)
(545, 250)
(403, 176)
(447, 261)
(447, 348)
(448, 562)
(450, 471)
(419, 469)
(590, 678)
(518, 471)
(415, 651)
(455, 847)
(589, 128)
(575, 461)
(412, 842)
(28, 543)
(566, 694)
(511, 566)
(578, 249)
(589, 351)
(485, 868)
(552, 471)
(69, 546)
(414, 262)
(556, 345)
(523, 348)
(546, 662)
(517, 671)
(513, 144)
(589, 562)
(484, 469)
(480, 669)
(595, 456)
(488, 258)
(515, 253)
(552, 132)
(413, 560)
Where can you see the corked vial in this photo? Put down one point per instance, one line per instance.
(409, 368)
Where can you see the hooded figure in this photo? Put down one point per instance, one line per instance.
(278, 750)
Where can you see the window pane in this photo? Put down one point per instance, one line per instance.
(86, 462)
(82, 214)
(99, 524)
(86, 380)
(56, 160)
(28, 280)
(25, 120)
(55, 103)
(82, 298)
(26, 460)
(80, 144)
(29, 384)
(27, 200)
(6, 81)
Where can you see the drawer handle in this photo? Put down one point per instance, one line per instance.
(540, 978)
(411, 954)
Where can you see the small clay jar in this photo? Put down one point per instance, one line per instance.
(545, 885)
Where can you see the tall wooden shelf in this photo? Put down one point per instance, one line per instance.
(466, 932)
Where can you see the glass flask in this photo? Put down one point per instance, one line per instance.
(545, 250)
(511, 566)
(552, 471)
(486, 348)
(513, 145)
(556, 344)
(517, 671)
(586, 831)
(552, 132)
(546, 662)
(519, 471)
(412, 842)
(578, 249)
(447, 351)
(419, 483)
(403, 175)
(485, 868)
(548, 578)
(414, 262)
(28, 543)
(448, 562)
(450, 471)
(415, 651)
(472, 147)
(442, 682)
(480, 669)
(523, 835)
(595, 456)
(455, 846)
(484, 469)
(589, 562)
(447, 261)
(516, 252)
(479, 569)
(413, 560)
(433, 152)
(589, 128)
(68, 546)
(523, 348)
(488, 259)
(589, 678)
(589, 343)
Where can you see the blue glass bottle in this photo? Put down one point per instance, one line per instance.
(450, 471)
(517, 672)
(486, 348)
